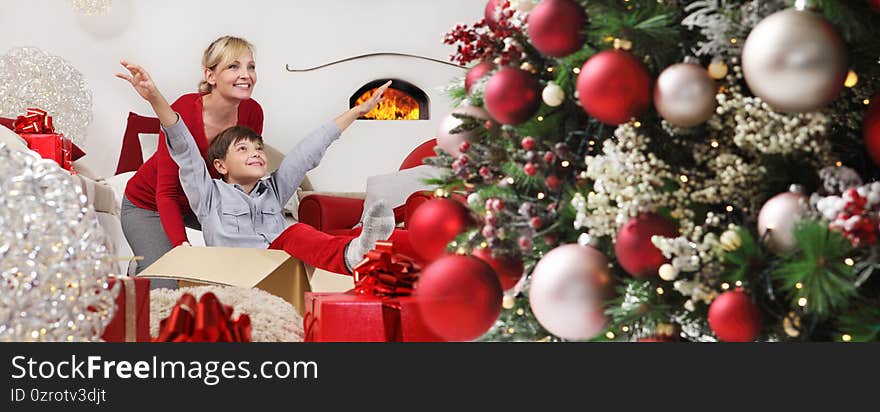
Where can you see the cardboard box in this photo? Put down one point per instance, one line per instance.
(349, 317)
(274, 271)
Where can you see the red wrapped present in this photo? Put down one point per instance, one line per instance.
(131, 323)
(378, 309)
(204, 321)
(37, 130)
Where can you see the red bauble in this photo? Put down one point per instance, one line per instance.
(528, 143)
(614, 87)
(508, 269)
(871, 129)
(734, 317)
(436, 223)
(490, 13)
(512, 95)
(555, 27)
(459, 297)
(553, 183)
(530, 169)
(635, 252)
(475, 74)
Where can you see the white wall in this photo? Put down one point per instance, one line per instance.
(168, 37)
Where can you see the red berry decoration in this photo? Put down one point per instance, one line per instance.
(635, 252)
(614, 87)
(436, 223)
(553, 183)
(528, 143)
(485, 172)
(872, 129)
(459, 297)
(525, 243)
(475, 74)
(734, 317)
(512, 96)
(549, 157)
(555, 27)
(464, 147)
(508, 269)
(530, 169)
(536, 223)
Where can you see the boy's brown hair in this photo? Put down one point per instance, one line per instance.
(229, 137)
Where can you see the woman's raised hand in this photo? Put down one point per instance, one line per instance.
(368, 105)
(140, 80)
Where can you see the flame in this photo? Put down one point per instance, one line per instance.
(395, 105)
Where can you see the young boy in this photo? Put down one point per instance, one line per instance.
(245, 209)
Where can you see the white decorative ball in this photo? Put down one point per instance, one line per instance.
(553, 95)
(795, 60)
(668, 272)
(779, 215)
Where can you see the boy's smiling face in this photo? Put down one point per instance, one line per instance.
(245, 161)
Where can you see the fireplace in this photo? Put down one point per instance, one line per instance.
(402, 101)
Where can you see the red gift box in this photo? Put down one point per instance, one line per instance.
(351, 317)
(51, 146)
(37, 130)
(131, 322)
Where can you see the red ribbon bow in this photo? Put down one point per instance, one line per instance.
(35, 121)
(384, 273)
(205, 321)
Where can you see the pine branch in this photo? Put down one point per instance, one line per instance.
(818, 272)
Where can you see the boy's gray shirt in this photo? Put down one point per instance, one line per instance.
(229, 216)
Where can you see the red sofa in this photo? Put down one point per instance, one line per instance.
(335, 214)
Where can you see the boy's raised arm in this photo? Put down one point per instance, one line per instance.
(194, 176)
(308, 153)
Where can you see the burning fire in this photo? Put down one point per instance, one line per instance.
(395, 105)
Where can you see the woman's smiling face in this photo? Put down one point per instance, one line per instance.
(234, 79)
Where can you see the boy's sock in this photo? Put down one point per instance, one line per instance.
(378, 225)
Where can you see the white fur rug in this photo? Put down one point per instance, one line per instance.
(272, 319)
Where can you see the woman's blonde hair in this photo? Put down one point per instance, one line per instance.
(222, 51)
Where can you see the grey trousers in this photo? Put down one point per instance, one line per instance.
(147, 238)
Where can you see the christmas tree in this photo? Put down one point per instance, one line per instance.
(660, 170)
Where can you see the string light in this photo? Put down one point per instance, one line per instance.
(520, 312)
(802, 302)
(729, 208)
(659, 291)
(839, 163)
(846, 338)
(624, 328)
(714, 144)
(566, 163)
(510, 180)
(683, 178)
(851, 79)
(637, 124)
(799, 285)
(576, 70)
(610, 335)
(866, 101)
(725, 286)
(540, 118)
(511, 331)
(541, 196)
(738, 283)
(550, 69)
(849, 262)
(733, 40)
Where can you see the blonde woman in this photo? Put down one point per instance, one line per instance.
(155, 211)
